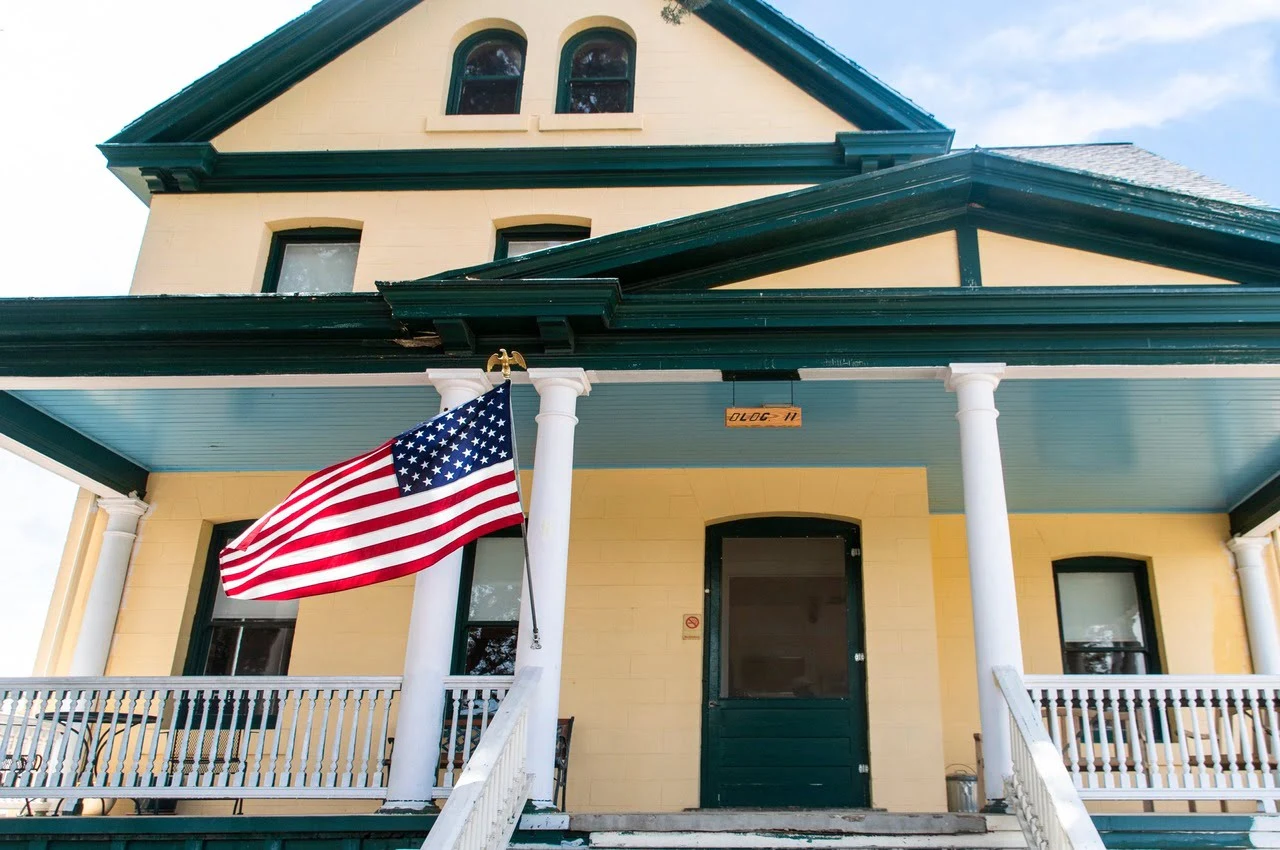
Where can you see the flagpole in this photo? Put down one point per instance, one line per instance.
(506, 360)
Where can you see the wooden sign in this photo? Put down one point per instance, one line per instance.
(763, 417)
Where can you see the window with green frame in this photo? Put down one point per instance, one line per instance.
(1105, 616)
(488, 74)
(597, 73)
(312, 261)
(489, 605)
(516, 241)
(235, 637)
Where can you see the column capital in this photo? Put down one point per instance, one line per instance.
(1244, 547)
(573, 379)
(958, 374)
(125, 506)
(474, 381)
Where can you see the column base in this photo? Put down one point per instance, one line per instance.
(995, 807)
(408, 807)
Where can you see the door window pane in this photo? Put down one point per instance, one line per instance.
(786, 619)
(318, 267)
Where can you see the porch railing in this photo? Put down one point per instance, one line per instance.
(470, 706)
(1149, 738)
(491, 792)
(1050, 809)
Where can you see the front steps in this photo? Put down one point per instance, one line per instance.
(770, 830)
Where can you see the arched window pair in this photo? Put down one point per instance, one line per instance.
(597, 74)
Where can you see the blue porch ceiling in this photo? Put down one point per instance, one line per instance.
(1069, 445)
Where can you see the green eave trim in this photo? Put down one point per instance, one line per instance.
(843, 86)
(251, 79)
(975, 188)
(591, 324)
(45, 435)
(198, 167)
(270, 829)
(1263, 504)
(235, 89)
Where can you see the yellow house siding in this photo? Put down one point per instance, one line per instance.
(929, 261)
(636, 567)
(1012, 261)
(1199, 620)
(693, 86)
(199, 244)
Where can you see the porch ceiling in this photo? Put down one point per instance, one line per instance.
(1069, 445)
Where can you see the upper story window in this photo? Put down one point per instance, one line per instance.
(236, 637)
(312, 261)
(488, 74)
(1105, 616)
(489, 606)
(597, 73)
(515, 241)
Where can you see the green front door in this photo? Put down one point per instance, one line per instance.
(784, 720)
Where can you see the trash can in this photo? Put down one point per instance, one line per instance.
(962, 792)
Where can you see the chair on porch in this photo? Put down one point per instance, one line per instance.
(461, 752)
(215, 752)
(564, 734)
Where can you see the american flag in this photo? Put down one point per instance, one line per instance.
(388, 513)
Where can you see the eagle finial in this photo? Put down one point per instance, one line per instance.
(505, 360)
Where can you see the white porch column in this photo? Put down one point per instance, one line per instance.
(102, 606)
(429, 651)
(549, 506)
(1255, 593)
(997, 638)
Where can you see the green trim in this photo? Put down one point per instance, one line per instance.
(456, 75)
(1142, 584)
(1177, 832)
(970, 256)
(565, 232)
(974, 188)
(843, 86)
(197, 167)
(283, 238)
(1260, 506)
(47, 436)
(728, 329)
(202, 828)
(237, 88)
(564, 81)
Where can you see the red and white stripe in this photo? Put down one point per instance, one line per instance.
(348, 526)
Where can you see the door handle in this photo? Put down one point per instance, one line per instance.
(713, 704)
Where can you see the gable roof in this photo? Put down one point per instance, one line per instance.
(251, 79)
(989, 189)
(1126, 161)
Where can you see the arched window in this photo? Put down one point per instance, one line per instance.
(488, 74)
(597, 73)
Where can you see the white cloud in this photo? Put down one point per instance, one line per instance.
(1067, 34)
(1045, 116)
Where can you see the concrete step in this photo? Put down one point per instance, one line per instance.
(771, 830)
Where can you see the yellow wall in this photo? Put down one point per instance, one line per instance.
(636, 568)
(1011, 261)
(196, 244)
(693, 86)
(926, 262)
(1200, 623)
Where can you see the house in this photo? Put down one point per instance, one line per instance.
(1024, 485)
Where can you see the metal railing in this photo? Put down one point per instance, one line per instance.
(1149, 738)
(1052, 814)
(195, 737)
(486, 802)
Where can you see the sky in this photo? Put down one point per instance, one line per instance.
(1197, 81)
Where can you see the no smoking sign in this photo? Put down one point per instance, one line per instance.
(692, 626)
